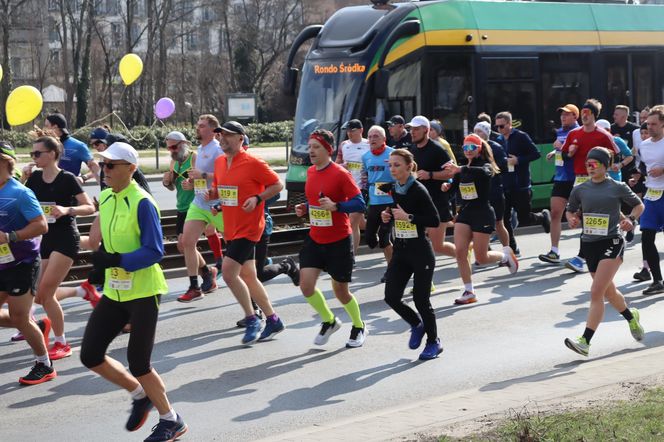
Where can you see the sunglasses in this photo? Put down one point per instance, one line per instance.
(173, 146)
(111, 166)
(470, 147)
(500, 126)
(37, 153)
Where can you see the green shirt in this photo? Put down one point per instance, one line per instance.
(181, 173)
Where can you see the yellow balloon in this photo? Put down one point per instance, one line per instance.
(131, 67)
(23, 105)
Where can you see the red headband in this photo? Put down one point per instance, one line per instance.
(322, 141)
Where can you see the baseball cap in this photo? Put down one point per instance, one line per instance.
(570, 108)
(57, 119)
(7, 149)
(175, 136)
(120, 151)
(396, 119)
(352, 124)
(115, 138)
(604, 124)
(419, 121)
(232, 127)
(98, 134)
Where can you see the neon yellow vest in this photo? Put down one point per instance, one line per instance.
(120, 232)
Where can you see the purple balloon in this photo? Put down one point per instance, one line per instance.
(164, 108)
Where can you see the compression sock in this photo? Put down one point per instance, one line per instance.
(353, 310)
(317, 301)
(215, 245)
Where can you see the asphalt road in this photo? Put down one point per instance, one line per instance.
(514, 334)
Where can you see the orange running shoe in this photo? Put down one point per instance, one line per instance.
(91, 294)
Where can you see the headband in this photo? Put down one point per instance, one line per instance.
(322, 141)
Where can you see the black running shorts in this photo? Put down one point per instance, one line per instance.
(562, 189)
(241, 250)
(335, 258)
(20, 279)
(595, 251)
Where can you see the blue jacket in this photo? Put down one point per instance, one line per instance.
(520, 145)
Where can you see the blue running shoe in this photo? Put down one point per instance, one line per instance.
(271, 329)
(252, 330)
(167, 431)
(431, 351)
(139, 413)
(416, 335)
(577, 264)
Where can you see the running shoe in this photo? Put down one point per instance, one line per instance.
(271, 329)
(546, 220)
(466, 298)
(140, 409)
(292, 270)
(416, 335)
(326, 330)
(512, 262)
(551, 257)
(517, 252)
(642, 275)
(45, 327)
(357, 337)
(242, 323)
(579, 346)
(191, 295)
(38, 374)
(431, 350)
(167, 431)
(654, 289)
(635, 326)
(251, 331)
(576, 264)
(91, 294)
(59, 351)
(209, 283)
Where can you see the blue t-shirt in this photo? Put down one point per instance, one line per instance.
(18, 205)
(75, 154)
(566, 171)
(378, 171)
(624, 152)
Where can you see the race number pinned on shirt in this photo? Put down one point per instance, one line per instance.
(120, 279)
(5, 254)
(595, 224)
(404, 229)
(377, 190)
(200, 186)
(354, 166)
(47, 208)
(228, 195)
(468, 191)
(653, 194)
(559, 159)
(320, 217)
(580, 179)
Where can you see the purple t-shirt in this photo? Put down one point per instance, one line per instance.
(18, 205)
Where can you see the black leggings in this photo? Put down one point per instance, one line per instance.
(650, 253)
(108, 319)
(376, 232)
(418, 260)
(265, 272)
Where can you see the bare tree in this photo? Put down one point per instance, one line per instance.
(8, 11)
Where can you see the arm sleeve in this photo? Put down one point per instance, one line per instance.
(355, 204)
(152, 245)
(427, 215)
(529, 150)
(573, 204)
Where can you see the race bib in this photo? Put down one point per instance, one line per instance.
(5, 254)
(379, 192)
(354, 166)
(200, 186)
(47, 208)
(653, 195)
(404, 229)
(320, 217)
(468, 191)
(120, 279)
(228, 195)
(580, 179)
(595, 224)
(559, 159)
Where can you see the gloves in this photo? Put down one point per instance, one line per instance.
(102, 260)
(96, 277)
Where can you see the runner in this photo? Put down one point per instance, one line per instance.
(134, 284)
(399, 136)
(412, 212)
(331, 195)
(21, 223)
(62, 199)
(350, 156)
(241, 183)
(476, 219)
(563, 180)
(598, 202)
(375, 166)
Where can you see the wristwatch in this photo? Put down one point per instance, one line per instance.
(430, 175)
(70, 211)
(632, 218)
(258, 199)
(204, 175)
(12, 236)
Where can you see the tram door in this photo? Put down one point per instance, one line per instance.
(630, 80)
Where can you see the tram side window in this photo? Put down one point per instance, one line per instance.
(405, 85)
(450, 96)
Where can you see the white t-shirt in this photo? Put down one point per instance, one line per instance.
(351, 154)
(652, 155)
(206, 155)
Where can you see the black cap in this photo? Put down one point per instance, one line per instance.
(58, 120)
(352, 124)
(115, 138)
(397, 119)
(232, 127)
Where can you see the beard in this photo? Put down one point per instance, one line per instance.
(179, 156)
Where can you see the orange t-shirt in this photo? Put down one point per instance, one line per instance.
(247, 176)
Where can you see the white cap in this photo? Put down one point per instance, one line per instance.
(604, 124)
(484, 127)
(419, 121)
(120, 151)
(176, 136)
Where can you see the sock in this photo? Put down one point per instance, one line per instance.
(588, 334)
(215, 245)
(80, 292)
(317, 301)
(273, 317)
(627, 314)
(61, 339)
(170, 416)
(204, 271)
(468, 287)
(555, 250)
(44, 360)
(353, 310)
(193, 282)
(138, 394)
(645, 265)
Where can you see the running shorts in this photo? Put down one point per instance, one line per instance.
(595, 251)
(241, 250)
(562, 189)
(19, 279)
(195, 213)
(480, 219)
(65, 241)
(653, 215)
(335, 258)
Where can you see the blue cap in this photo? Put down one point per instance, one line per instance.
(98, 134)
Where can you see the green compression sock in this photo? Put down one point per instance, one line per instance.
(353, 310)
(317, 301)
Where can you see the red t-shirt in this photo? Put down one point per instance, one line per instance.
(337, 184)
(586, 141)
(247, 176)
